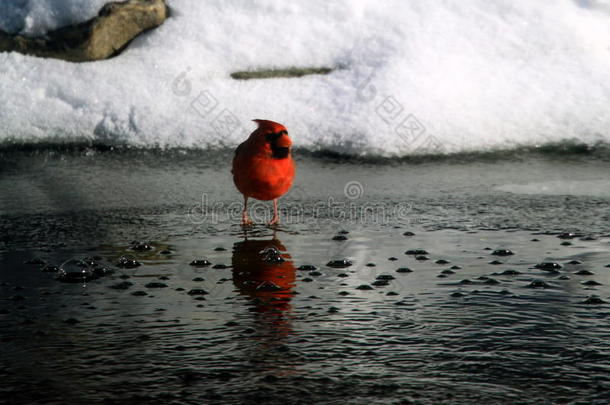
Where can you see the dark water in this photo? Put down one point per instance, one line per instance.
(259, 329)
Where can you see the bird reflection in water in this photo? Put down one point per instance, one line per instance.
(264, 272)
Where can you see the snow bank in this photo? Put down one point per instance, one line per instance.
(412, 77)
(36, 17)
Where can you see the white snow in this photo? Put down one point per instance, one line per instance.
(36, 17)
(415, 76)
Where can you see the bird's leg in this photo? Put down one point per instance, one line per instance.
(276, 218)
(245, 219)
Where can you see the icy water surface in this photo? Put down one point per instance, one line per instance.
(271, 320)
(123, 279)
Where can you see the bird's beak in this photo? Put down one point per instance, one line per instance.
(284, 142)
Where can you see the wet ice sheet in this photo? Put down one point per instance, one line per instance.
(458, 327)
(593, 188)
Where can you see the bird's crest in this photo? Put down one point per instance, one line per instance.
(271, 125)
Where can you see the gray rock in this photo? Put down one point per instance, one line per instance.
(99, 38)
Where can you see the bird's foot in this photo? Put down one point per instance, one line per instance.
(274, 221)
(246, 221)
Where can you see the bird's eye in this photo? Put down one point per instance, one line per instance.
(273, 136)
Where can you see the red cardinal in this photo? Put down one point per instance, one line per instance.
(263, 167)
